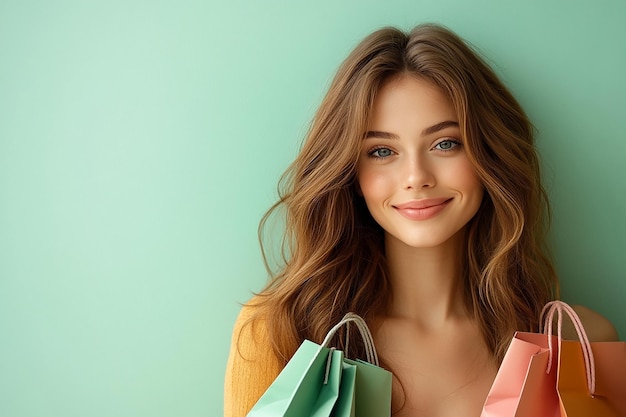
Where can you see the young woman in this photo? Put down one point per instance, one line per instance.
(415, 202)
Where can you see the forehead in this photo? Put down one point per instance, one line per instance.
(406, 98)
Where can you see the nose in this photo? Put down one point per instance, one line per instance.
(418, 174)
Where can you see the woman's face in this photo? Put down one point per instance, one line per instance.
(413, 172)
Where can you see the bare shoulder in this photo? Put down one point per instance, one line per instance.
(598, 327)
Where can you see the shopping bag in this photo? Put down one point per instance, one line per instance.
(542, 375)
(592, 384)
(522, 388)
(319, 381)
(345, 406)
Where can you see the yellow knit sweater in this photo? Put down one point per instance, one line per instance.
(251, 368)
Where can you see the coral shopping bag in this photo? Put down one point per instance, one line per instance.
(319, 381)
(544, 376)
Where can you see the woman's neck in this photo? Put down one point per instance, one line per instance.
(426, 283)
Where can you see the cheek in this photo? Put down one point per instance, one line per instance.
(374, 183)
(467, 180)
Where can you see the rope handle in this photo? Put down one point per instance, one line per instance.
(559, 307)
(368, 340)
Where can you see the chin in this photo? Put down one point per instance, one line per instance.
(429, 240)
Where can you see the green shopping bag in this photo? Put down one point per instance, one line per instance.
(319, 381)
(345, 406)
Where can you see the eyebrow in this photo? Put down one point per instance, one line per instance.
(428, 131)
(439, 126)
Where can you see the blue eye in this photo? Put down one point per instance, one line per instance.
(381, 153)
(447, 145)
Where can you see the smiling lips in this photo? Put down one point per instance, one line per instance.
(422, 209)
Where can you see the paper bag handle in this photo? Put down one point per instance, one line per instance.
(368, 340)
(559, 307)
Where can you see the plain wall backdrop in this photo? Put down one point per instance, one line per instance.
(141, 142)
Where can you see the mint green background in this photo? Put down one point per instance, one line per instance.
(141, 141)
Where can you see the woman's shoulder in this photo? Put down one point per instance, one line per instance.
(250, 326)
(252, 364)
(597, 327)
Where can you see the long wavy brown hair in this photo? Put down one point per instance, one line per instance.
(333, 258)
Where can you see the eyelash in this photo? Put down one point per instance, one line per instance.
(457, 144)
(372, 152)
